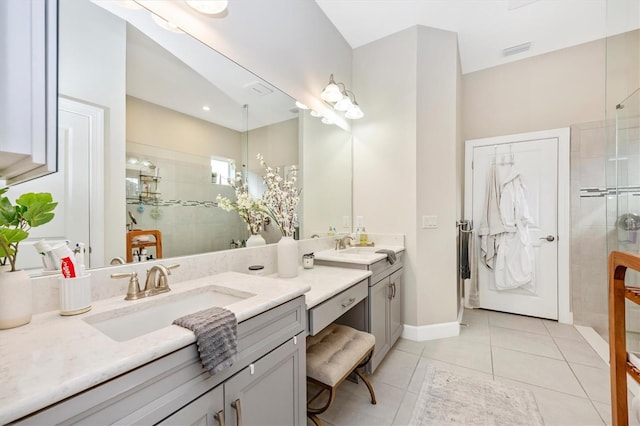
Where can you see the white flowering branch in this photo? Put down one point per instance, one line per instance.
(253, 212)
(281, 197)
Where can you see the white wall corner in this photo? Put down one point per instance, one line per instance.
(431, 332)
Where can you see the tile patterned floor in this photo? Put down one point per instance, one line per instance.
(569, 380)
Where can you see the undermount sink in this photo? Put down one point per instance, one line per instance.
(134, 321)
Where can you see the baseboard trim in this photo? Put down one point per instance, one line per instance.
(430, 332)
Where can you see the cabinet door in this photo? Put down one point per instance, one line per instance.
(395, 314)
(379, 295)
(270, 391)
(208, 410)
(28, 83)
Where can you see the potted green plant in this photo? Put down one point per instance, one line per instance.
(30, 210)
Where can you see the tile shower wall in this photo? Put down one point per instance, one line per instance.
(589, 228)
(187, 208)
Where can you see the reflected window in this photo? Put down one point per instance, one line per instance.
(223, 170)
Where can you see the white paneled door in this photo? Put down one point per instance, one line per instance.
(75, 186)
(535, 157)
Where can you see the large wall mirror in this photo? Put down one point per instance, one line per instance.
(152, 122)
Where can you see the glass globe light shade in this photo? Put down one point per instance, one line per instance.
(354, 112)
(343, 104)
(331, 93)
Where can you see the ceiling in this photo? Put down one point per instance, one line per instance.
(486, 27)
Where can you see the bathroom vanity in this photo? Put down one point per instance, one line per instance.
(381, 314)
(64, 370)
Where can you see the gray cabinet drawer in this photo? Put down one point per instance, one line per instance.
(328, 311)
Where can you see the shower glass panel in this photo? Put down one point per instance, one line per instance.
(626, 233)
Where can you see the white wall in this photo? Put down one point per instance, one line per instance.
(405, 154)
(384, 146)
(92, 49)
(438, 187)
(278, 144)
(326, 177)
(548, 91)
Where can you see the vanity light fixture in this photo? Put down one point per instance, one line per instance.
(331, 92)
(315, 113)
(301, 105)
(341, 99)
(209, 7)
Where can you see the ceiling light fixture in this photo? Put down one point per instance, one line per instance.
(341, 99)
(209, 7)
(206, 108)
(301, 105)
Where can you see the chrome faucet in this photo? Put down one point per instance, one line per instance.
(154, 284)
(341, 243)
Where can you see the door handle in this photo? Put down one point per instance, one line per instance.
(348, 302)
(219, 416)
(548, 238)
(236, 404)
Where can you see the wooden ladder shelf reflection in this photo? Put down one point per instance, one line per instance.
(133, 243)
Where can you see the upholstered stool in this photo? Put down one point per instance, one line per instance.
(332, 355)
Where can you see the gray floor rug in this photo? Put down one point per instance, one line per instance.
(447, 398)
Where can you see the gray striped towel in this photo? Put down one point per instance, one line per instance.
(216, 331)
(391, 255)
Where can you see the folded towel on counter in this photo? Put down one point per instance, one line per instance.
(216, 331)
(391, 255)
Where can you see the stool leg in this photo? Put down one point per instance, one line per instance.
(315, 419)
(366, 382)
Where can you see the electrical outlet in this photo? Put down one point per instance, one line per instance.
(429, 222)
(359, 221)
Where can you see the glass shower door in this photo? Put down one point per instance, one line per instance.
(627, 196)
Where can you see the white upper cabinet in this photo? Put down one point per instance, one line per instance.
(28, 89)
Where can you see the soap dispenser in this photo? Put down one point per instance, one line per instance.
(363, 237)
(331, 232)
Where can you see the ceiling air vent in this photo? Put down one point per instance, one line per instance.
(258, 88)
(518, 48)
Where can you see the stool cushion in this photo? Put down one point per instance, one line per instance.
(335, 351)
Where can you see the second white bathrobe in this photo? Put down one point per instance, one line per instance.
(514, 263)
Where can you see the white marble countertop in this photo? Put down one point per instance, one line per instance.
(327, 281)
(55, 357)
(356, 254)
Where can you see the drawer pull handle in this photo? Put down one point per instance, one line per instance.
(219, 416)
(236, 404)
(348, 302)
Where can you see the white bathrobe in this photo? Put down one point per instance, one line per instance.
(514, 260)
(491, 226)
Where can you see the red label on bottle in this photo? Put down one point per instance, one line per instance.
(67, 268)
